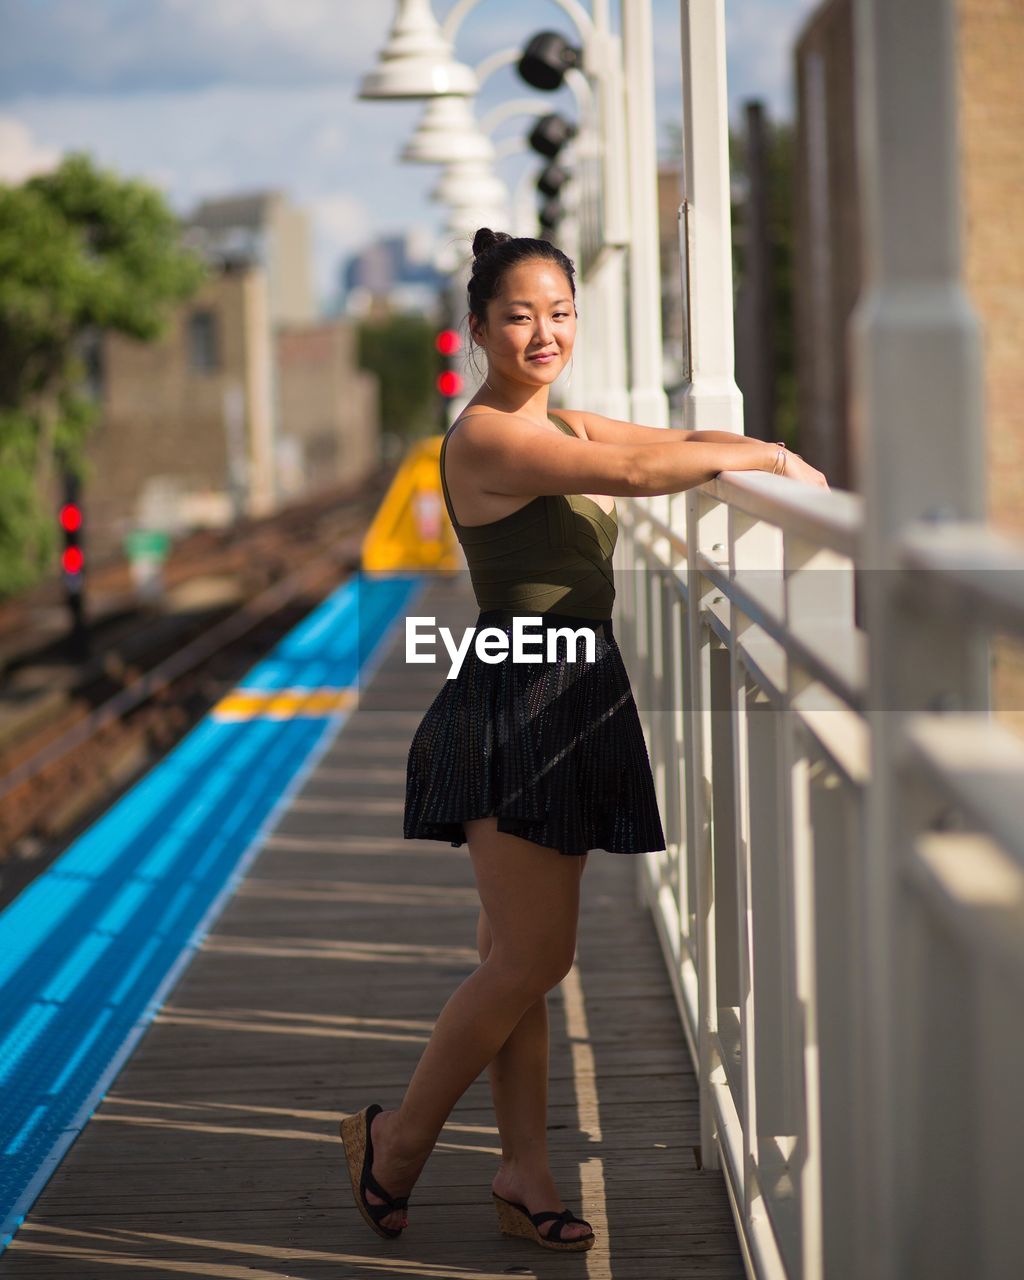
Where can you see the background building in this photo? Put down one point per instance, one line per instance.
(829, 270)
(262, 227)
(249, 400)
(394, 273)
(829, 267)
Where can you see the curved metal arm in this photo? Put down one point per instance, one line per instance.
(517, 107)
(494, 62)
(510, 147)
(575, 81)
(579, 87)
(581, 19)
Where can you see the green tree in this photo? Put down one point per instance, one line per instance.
(82, 252)
(399, 349)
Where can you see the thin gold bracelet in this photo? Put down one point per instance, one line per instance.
(780, 457)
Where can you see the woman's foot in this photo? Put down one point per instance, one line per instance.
(537, 1191)
(392, 1168)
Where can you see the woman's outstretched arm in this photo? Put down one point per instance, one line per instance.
(614, 431)
(514, 456)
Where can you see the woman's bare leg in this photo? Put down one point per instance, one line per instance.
(519, 1075)
(519, 1085)
(531, 951)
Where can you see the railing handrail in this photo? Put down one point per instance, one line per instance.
(726, 621)
(832, 519)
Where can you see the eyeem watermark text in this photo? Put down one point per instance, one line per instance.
(492, 643)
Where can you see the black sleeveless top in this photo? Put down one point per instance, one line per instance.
(552, 555)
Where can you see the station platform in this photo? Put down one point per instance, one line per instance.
(309, 989)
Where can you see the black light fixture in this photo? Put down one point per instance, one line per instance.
(546, 59)
(552, 179)
(550, 134)
(551, 214)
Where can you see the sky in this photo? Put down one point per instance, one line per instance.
(214, 97)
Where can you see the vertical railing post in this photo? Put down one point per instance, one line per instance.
(648, 401)
(712, 400)
(918, 453)
(707, 531)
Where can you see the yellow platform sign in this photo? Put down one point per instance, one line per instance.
(411, 529)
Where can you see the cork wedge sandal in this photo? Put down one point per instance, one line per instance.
(515, 1219)
(355, 1134)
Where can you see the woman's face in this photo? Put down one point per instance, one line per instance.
(531, 323)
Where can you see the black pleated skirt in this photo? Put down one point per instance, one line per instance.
(553, 749)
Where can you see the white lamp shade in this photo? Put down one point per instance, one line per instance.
(417, 61)
(471, 184)
(447, 133)
(466, 220)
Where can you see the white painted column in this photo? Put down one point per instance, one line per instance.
(648, 401)
(606, 278)
(712, 401)
(919, 454)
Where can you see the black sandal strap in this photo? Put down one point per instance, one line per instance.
(545, 1214)
(378, 1211)
(562, 1219)
(370, 1183)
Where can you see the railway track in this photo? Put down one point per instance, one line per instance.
(96, 725)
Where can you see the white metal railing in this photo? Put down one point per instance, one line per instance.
(841, 903)
(752, 680)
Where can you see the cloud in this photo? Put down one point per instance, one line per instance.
(211, 97)
(114, 46)
(333, 156)
(342, 224)
(760, 35)
(20, 155)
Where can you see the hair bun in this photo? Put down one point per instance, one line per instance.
(486, 239)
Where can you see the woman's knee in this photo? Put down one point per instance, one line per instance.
(531, 972)
(536, 970)
(533, 948)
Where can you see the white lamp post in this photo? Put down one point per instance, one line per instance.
(418, 62)
(447, 132)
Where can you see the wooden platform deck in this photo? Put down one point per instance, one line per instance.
(215, 1153)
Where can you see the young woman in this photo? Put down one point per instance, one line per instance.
(531, 764)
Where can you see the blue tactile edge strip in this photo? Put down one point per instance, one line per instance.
(91, 948)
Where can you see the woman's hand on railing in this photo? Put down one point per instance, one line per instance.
(796, 469)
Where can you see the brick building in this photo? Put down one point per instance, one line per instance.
(247, 401)
(828, 269)
(990, 50)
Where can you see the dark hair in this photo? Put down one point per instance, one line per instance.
(495, 252)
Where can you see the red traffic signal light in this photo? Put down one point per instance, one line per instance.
(448, 342)
(70, 517)
(449, 383)
(72, 557)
